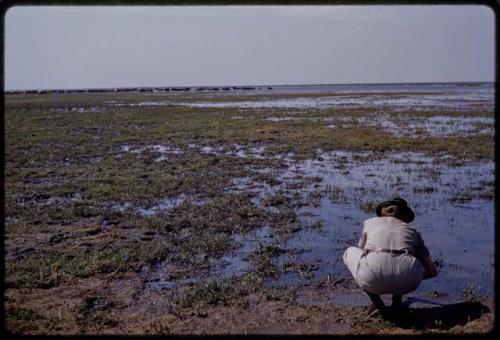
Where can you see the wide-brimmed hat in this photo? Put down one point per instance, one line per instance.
(401, 203)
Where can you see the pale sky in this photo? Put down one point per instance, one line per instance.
(84, 47)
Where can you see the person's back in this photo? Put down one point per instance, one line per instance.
(383, 273)
(391, 233)
(392, 257)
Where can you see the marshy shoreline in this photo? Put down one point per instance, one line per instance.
(216, 212)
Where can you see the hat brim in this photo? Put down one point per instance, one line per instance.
(407, 211)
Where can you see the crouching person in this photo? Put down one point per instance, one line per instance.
(392, 257)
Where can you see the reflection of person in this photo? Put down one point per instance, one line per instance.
(392, 257)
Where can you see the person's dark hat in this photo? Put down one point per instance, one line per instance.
(401, 203)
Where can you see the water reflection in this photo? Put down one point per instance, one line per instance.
(459, 235)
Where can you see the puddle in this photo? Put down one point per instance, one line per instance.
(53, 200)
(121, 207)
(235, 150)
(240, 183)
(284, 119)
(458, 232)
(403, 97)
(167, 284)
(93, 109)
(414, 97)
(230, 265)
(168, 203)
(235, 264)
(160, 159)
(437, 98)
(244, 151)
(413, 127)
(459, 235)
(405, 126)
(158, 148)
(145, 103)
(164, 204)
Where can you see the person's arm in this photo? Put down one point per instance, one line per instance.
(423, 255)
(430, 269)
(362, 240)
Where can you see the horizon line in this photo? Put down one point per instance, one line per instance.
(240, 86)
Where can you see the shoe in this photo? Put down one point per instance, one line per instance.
(397, 302)
(397, 305)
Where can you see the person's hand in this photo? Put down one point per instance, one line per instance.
(430, 269)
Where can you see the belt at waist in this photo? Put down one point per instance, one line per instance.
(390, 251)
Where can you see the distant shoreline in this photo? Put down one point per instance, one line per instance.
(230, 88)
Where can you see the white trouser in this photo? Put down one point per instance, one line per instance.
(383, 273)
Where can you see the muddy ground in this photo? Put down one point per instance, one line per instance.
(210, 213)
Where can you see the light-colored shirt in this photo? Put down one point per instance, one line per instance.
(381, 272)
(392, 233)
